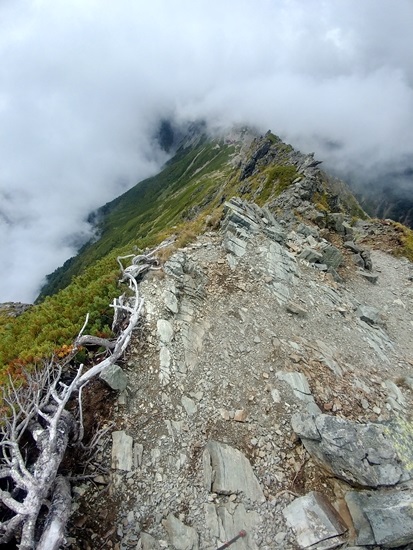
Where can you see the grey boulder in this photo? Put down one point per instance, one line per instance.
(310, 255)
(122, 456)
(382, 517)
(114, 377)
(361, 454)
(182, 536)
(368, 314)
(332, 256)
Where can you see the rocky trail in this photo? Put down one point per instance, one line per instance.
(269, 389)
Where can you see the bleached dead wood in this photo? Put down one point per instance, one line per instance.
(37, 410)
(95, 341)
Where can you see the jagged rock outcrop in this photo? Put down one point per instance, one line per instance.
(13, 309)
(259, 153)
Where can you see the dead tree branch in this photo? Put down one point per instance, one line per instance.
(36, 411)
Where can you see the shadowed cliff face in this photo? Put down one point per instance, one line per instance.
(388, 195)
(389, 203)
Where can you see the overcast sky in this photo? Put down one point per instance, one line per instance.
(83, 84)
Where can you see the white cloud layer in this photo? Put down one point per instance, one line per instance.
(84, 83)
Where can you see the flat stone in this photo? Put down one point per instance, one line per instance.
(115, 377)
(227, 471)
(230, 519)
(295, 309)
(369, 276)
(304, 426)
(225, 414)
(101, 480)
(137, 454)
(164, 358)
(189, 405)
(361, 524)
(331, 256)
(315, 522)
(170, 301)
(310, 255)
(353, 247)
(164, 365)
(299, 384)
(275, 233)
(383, 518)
(181, 536)
(368, 314)
(241, 415)
(276, 396)
(122, 456)
(395, 392)
(235, 245)
(148, 542)
(307, 230)
(165, 331)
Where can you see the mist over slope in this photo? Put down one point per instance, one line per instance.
(84, 86)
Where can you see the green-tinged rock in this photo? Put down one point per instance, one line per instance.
(361, 454)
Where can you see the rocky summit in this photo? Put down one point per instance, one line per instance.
(267, 393)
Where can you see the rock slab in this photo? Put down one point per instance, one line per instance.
(315, 522)
(382, 517)
(122, 455)
(182, 536)
(114, 377)
(227, 471)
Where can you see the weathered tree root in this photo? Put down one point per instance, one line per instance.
(38, 409)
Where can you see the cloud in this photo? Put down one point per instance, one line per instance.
(83, 85)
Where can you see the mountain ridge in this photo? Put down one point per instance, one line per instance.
(185, 199)
(195, 152)
(270, 376)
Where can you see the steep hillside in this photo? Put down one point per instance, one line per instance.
(184, 200)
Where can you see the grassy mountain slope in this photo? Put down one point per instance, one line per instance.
(141, 215)
(178, 200)
(184, 199)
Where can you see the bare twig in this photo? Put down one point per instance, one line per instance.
(39, 408)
